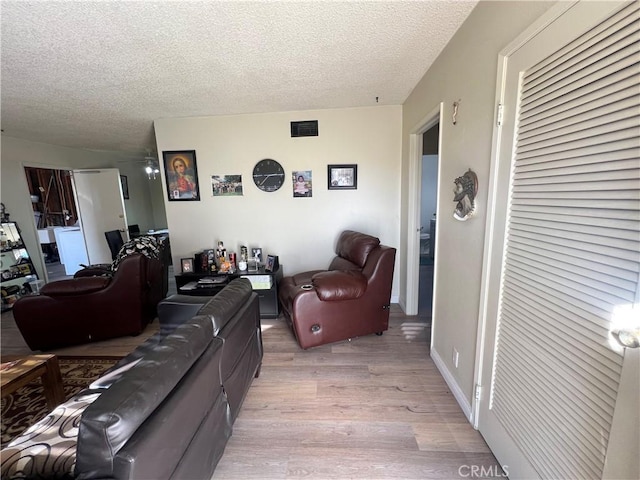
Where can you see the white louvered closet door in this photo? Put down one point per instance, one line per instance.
(566, 255)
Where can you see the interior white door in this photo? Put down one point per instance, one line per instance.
(101, 208)
(530, 445)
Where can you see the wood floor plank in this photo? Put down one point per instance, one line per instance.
(346, 434)
(375, 407)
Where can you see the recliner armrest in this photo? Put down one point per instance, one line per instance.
(75, 286)
(335, 285)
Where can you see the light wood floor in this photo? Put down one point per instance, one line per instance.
(372, 408)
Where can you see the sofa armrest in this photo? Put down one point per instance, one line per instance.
(335, 285)
(75, 286)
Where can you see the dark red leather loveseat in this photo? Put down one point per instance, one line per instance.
(348, 300)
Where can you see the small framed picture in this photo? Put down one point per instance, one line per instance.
(272, 263)
(342, 177)
(226, 185)
(302, 183)
(257, 254)
(181, 173)
(187, 265)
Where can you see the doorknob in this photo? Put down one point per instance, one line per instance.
(627, 338)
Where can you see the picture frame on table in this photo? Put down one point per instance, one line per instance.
(186, 265)
(342, 177)
(181, 174)
(257, 254)
(272, 263)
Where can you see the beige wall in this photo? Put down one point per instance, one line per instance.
(466, 71)
(301, 231)
(14, 192)
(145, 206)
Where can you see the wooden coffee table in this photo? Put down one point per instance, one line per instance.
(22, 370)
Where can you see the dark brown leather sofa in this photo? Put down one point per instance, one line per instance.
(168, 416)
(92, 308)
(349, 299)
(242, 355)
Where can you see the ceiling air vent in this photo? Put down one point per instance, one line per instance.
(308, 128)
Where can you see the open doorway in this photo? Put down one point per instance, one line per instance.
(422, 232)
(54, 207)
(428, 205)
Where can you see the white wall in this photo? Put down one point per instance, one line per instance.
(301, 231)
(465, 71)
(14, 193)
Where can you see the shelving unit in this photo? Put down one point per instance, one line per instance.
(17, 269)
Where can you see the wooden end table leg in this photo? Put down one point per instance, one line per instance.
(52, 383)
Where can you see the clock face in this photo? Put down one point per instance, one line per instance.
(268, 175)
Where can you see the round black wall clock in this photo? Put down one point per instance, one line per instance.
(268, 175)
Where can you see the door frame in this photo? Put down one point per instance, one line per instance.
(414, 206)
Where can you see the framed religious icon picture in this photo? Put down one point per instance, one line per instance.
(181, 174)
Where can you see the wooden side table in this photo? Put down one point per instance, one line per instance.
(23, 370)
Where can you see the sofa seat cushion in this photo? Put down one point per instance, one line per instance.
(48, 448)
(303, 278)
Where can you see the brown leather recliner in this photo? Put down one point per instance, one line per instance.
(350, 299)
(92, 308)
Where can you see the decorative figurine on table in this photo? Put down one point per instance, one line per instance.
(221, 252)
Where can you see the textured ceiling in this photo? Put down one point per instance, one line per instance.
(95, 75)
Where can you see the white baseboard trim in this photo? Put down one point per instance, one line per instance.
(453, 385)
(396, 299)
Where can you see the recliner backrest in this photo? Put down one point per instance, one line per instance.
(353, 250)
(356, 246)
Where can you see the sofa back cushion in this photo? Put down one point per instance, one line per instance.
(110, 422)
(221, 308)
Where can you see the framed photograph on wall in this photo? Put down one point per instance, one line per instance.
(125, 186)
(181, 173)
(302, 183)
(342, 177)
(226, 185)
(187, 265)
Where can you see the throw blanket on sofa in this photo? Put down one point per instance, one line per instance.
(147, 246)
